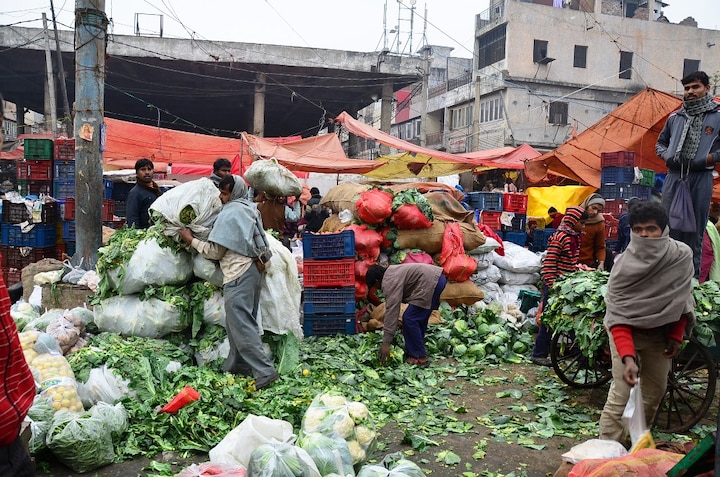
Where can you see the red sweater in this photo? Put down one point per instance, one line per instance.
(563, 250)
(18, 385)
(623, 336)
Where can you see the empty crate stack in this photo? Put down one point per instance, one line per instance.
(515, 209)
(35, 173)
(329, 284)
(488, 208)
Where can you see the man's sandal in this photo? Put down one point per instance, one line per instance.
(417, 361)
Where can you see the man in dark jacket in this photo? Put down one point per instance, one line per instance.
(221, 168)
(141, 197)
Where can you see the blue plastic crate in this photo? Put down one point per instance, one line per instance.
(626, 191)
(108, 189)
(540, 239)
(328, 246)
(485, 201)
(329, 300)
(329, 325)
(519, 238)
(64, 170)
(39, 236)
(68, 230)
(120, 190)
(518, 222)
(617, 175)
(64, 188)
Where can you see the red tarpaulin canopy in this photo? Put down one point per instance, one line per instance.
(504, 157)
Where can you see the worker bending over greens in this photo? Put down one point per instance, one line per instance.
(417, 284)
(650, 309)
(238, 241)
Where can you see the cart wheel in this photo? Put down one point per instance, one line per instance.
(573, 368)
(690, 390)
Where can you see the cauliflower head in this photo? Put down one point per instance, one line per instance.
(313, 419)
(364, 436)
(356, 452)
(343, 425)
(358, 411)
(333, 401)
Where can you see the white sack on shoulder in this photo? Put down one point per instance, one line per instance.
(273, 178)
(129, 316)
(517, 259)
(201, 195)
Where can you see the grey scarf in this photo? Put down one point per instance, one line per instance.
(692, 132)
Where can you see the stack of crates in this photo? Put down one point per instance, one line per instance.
(488, 208)
(540, 239)
(515, 204)
(64, 168)
(19, 249)
(35, 172)
(329, 284)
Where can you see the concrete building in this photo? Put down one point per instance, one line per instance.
(543, 70)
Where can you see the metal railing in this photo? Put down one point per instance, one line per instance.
(491, 15)
(459, 81)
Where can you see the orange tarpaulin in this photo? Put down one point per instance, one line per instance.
(503, 157)
(633, 126)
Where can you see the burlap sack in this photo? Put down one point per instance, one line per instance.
(343, 196)
(29, 272)
(428, 240)
(446, 207)
(424, 187)
(332, 224)
(472, 237)
(461, 293)
(377, 317)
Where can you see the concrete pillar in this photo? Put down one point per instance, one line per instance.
(386, 112)
(20, 116)
(259, 105)
(90, 36)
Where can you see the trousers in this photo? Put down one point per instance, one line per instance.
(247, 355)
(654, 369)
(15, 461)
(415, 323)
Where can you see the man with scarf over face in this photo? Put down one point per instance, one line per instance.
(238, 241)
(650, 309)
(690, 146)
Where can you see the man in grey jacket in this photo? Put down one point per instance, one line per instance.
(690, 146)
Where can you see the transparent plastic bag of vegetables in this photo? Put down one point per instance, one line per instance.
(56, 378)
(273, 178)
(333, 415)
(103, 385)
(41, 322)
(40, 416)
(195, 205)
(129, 316)
(81, 441)
(330, 454)
(115, 417)
(208, 270)
(23, 312)
(393, 465)
(281, 459)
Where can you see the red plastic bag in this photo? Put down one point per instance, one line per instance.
(457, 265)
(419, 257)
(367, 241)
(361, 268)
(488, 232)
(410, 217)
(207, 469)
(374, 206)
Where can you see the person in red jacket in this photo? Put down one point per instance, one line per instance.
(18, 388)
(650, 309)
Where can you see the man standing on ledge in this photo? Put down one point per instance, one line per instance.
(141, 197)
(690, 147)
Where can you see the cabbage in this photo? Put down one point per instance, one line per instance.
(280, 459)
(330, 454)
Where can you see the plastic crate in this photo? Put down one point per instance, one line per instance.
(64, 188)
(611, 227)
(120, 190)
(518, 222)
(21, 257)
(491, 219)
(626, 191)
(528, 299)
(17, 212)
(328, 246)
(70, 248)
(41, 149)
(485, 200)
(515, 203)
(64, 170)
(540, 239)
(64, 150)
(39, 236)
(8, 166)
(617, 175)
(68, 233)
(617, 159)
(37, 170)
(115, 224)
(329, 273)
(519, 238)
(107, 189)
(108, 209)
(616, 207)
(34, 187)
(648, 177)
(11, 276)
(319, 301)
(120, 208)
(329, 325)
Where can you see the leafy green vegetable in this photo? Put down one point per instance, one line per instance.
(413, 196)
(187, 214)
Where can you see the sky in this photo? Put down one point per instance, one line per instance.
(355, 25)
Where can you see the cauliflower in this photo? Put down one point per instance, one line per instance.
(313, 418)
(358, 411)
(333, 401)
(343, 425)
(364, 436)
(357, 452)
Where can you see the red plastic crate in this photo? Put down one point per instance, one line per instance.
(616, 207)
(11, 276)
(329, 273)
(617, 159)
(611, 227)
(491, 219)
(107, 211)
(21, 257)
(37, 170)
(515, 203)
(64, 149)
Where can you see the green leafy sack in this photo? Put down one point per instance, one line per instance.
(280, 459)
(330, 454)
(81, 441)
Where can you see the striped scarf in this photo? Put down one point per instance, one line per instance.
(692, 132)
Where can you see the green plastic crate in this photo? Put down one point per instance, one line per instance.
(648, 177)
(38, 149)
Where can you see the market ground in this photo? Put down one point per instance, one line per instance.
(501, 458)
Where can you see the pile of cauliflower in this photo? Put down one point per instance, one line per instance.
(335, 416)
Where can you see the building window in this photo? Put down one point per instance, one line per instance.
(580, 58)
(690, 66)
(558, 113)
(417, 128)
(491, 47)
(491, 110)
(540, 49)
(625, 65)
(461, 116)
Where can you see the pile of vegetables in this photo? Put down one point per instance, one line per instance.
(411, 210)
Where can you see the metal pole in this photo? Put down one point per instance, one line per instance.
(90, 40)
(50, 80)
(67, 113)
(259, 105)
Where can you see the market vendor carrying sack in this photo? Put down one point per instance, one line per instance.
(649, 308)
(238, 241)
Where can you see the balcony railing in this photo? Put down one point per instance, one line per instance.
(459, 81)
(434, 139)
(437, 90)
(491, 15)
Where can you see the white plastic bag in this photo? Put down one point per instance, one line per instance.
(201, 195)
(517, 259)
(129, 316)
(634, 418)
(36, 297)
(103, 385)
(217, 351)
(238, 444)
(595, 449)
(214, 310)
(273, 178)
(208, 270)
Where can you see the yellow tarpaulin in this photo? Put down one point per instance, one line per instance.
(540, 199)
(412, 165)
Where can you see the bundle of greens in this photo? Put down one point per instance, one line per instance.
(411, 210)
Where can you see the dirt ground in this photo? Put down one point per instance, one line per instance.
(478, 399)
